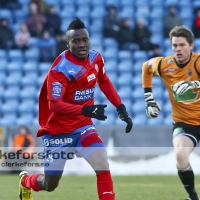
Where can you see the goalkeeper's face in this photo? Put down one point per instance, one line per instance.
(79, 42)
(182, 49)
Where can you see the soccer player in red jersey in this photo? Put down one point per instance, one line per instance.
(66, 106)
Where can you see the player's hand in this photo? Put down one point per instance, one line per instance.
(183, 86)
(95, 111)
(152, 107)
(124, 116)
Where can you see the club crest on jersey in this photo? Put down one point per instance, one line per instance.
(170, 61)
(91, 77)
(96, 67)
(83, 95)
(56, 90)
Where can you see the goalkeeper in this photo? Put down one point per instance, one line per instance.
(181, 76)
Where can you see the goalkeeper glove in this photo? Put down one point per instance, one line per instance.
(152, 107)
(124, 116)
(183, 86)
(94, 111)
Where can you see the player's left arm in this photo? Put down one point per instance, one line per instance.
(110, 92)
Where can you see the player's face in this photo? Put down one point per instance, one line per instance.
(79, 43)
(182, 49)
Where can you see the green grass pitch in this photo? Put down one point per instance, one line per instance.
(84, 188)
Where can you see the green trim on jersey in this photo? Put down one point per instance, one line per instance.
(177, 131)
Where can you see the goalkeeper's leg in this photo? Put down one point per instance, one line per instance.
(183, 146)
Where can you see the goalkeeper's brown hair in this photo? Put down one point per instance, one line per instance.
(182, 31)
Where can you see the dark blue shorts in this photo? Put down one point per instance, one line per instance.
(62, 147)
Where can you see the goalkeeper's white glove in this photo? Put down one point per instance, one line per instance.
(183, 86)
(152, 107)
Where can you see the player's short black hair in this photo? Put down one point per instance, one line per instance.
(76, 24)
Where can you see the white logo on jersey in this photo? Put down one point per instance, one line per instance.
(104, 70)
(108, 192)
(91, 77)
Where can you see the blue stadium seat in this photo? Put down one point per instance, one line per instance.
(10, 106)
(25, 119)
(95, 41)
(35, 121)
(138, 93)
(168, 120)
(15, 55)
(167, 108)
(26, 106)
(82, 13)
(156, 3)
(28, 80)
(140, 55)
(44, 67)
(33, 42)
(197, 42)
(2, 78)
(3, 54)
(67, 12)
(195, 3)
(124, 92)
(168, 52)
(125, 79)
(125, 66)
(40, 79)
(137, 80)
(157, 92)
(139, 119)
(96, 26)
(118, 121)
(157, 81)
(171, 2)
(137, 66)
(3, 65)
(156, 12)
(110, 53)
(110, 42)
(28, 93)
(11, 92)
(32, 54)
(97, 94)
(186, 12)
(127, 11)
(142, 11)
(167, 43)
(33, 75)
(14, 67)
(110, 65)
(14, 78)
(127, 3)
(112, 76)
(138, 106)
(141, 2)
(97, 12)
(30, 66)
(8, 120)
(156, 121)
(185, 3)
(113, 2)
(82, 2)
(157, 37)
(165, 95)
(124, 55)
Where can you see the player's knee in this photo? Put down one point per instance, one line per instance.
(181, 156)
(102, 165)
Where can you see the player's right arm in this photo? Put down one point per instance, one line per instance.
(150, 68)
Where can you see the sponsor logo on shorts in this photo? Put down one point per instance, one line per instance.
(57, 142)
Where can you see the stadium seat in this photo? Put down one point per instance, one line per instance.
(142, 11)
(171, 2)
(125, 66)
(124, 92)
(28, 93)
(167, 108)
(3, 65)
(168, 120)
(97, 12)
(25, 119)
(110, 108)
(30, 66)
(2, 77)
(127, 3)
(156, 3)
(10, 106)
(139, 119)
(137, 66)
(6, 13)
(9, 120)
(124, 55)
(67, 12)
(137, 80)
(110, 65)
(11, 92)
(15, 55)
(138, 93)
(3, 54)
(138, 106)
(82, 2)
(32, 54)
(112, 76)
(110, 53)
(168, 52)
(14, 78)
(125, 79)
(14, 67)
(96, 26)
(127, 11)
(140, 55)
(44, 67)
(156, 121)
(157, 81)
(26, 106)
(33, 42)
(110, 42)
(28, 80)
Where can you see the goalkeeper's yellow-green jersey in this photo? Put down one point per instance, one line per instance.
(186, 107)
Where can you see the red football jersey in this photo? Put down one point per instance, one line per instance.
(73, 81)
